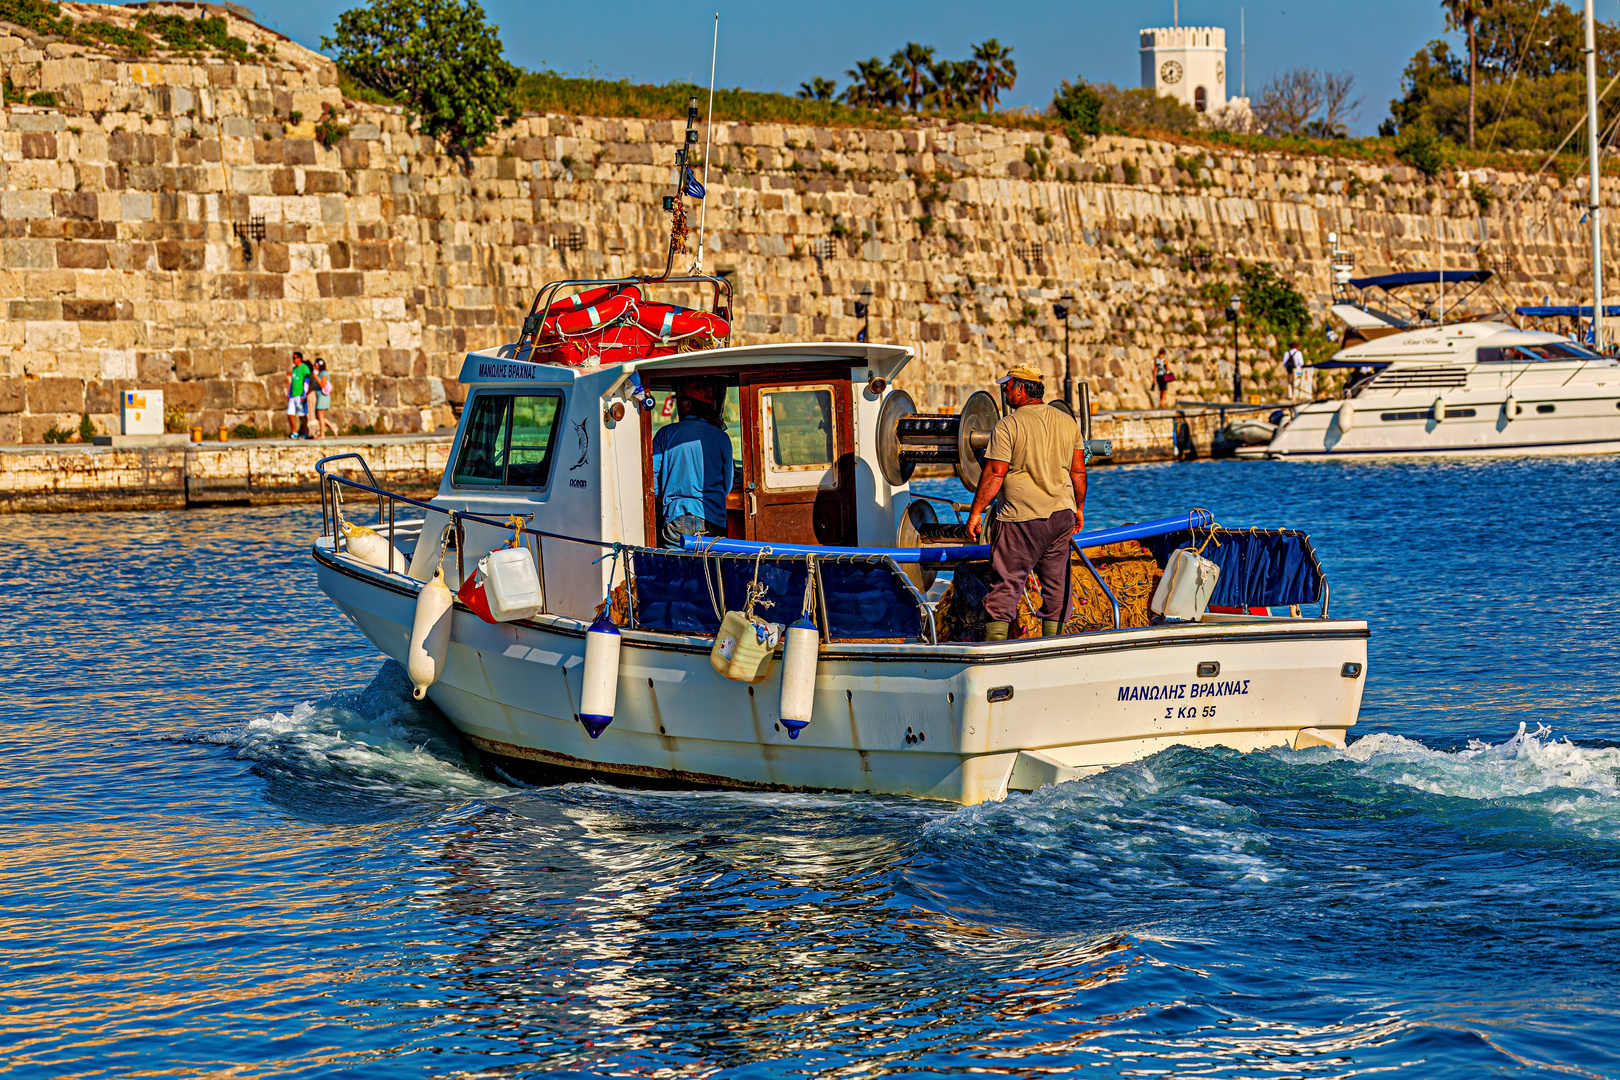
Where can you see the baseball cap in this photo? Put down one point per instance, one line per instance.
(698, 391)
(1027, 372)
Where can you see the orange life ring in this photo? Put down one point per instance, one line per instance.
(591, 296)
(588, 318)
(668, 321)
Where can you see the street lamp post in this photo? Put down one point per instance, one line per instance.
(863, 311)
(1233, 307)
(1061, 310)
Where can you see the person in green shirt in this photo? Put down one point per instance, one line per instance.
(297, 407)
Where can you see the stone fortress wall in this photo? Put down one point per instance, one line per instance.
(124, 207)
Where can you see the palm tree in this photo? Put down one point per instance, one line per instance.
(872, 83)
(997, 71)
(818, 89)
(1464, 14)
(911, 65)
(956, 85)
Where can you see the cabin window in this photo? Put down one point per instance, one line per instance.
(1535, 354)
(797, 432)
(509, 441)
(1546, 408)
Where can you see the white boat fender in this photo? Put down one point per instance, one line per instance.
(601, 676)
(799, 675)
(373, 549)
(1438, 409)
(430, 635)
(1347, 416)
(1510, 407)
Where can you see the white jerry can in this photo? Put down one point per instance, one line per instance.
(1184, 590)
(511, 583)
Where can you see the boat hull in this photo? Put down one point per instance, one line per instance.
(964, 723)
(1581, 419)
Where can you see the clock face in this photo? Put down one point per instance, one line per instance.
(1170, 71)
(1220, 71)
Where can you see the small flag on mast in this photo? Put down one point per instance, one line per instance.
(692, 187)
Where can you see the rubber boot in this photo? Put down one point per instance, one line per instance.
(995, 631)
(1050, 628)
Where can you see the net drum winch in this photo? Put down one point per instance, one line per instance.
(852, 666)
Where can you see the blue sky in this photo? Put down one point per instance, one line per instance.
(775, 46)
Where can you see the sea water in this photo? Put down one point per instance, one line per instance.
(233, 845)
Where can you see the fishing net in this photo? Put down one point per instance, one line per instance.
(1131, 571)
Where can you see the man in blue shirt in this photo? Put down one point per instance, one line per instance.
(692, 467)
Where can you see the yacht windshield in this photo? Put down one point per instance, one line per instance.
(1535, 354)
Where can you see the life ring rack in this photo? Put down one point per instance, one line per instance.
(585, 311)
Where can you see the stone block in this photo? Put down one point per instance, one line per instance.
(20, 121)
(81, 255)
(340, 283)
(39, 144)
(30, 254)
(11, 393)
(54, 395)
(181, 255)
(25, 205)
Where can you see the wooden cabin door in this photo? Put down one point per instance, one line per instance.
(799, 456)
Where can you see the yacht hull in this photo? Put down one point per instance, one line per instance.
(964, 723)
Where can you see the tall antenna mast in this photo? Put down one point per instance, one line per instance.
(708, 139)
(1176, 7)
(1594, 197)
(1243, 57)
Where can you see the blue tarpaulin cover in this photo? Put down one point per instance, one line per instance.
(867, 600)
(1271, 568)
(864, 599)
(1421, 277)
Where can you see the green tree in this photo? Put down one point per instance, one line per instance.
(955, 85)
(1271, 304)
(872, 83)
(1080, 108)
(818, 89)
(911, 66)
(441, 59)
(997, 71)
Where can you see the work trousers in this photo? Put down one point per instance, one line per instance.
(1016, 548)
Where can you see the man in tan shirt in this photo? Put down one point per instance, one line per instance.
(1037, 464)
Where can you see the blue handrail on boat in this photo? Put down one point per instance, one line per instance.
(1141, 530)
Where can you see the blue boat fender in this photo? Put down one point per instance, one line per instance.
(600, 693)
(799, 675)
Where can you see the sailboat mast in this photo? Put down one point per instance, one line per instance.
(1594, 195)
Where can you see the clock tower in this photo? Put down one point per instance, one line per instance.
(1188, 63)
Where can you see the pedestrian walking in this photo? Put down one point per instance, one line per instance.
(1162, 375)
(1036, 462)
(1293, 367)
(323, 400)
(297, 403)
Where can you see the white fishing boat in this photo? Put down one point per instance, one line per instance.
(812, 648)
(1478, 388)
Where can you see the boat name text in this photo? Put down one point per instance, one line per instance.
(505, 371)
(1183, 691)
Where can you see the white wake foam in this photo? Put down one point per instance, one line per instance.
(1530, 763)
(376, 739)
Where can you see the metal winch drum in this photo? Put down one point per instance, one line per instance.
(907, 438)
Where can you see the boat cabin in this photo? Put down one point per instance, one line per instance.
(572, 446)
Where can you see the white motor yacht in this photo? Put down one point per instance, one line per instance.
(1475, 388)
